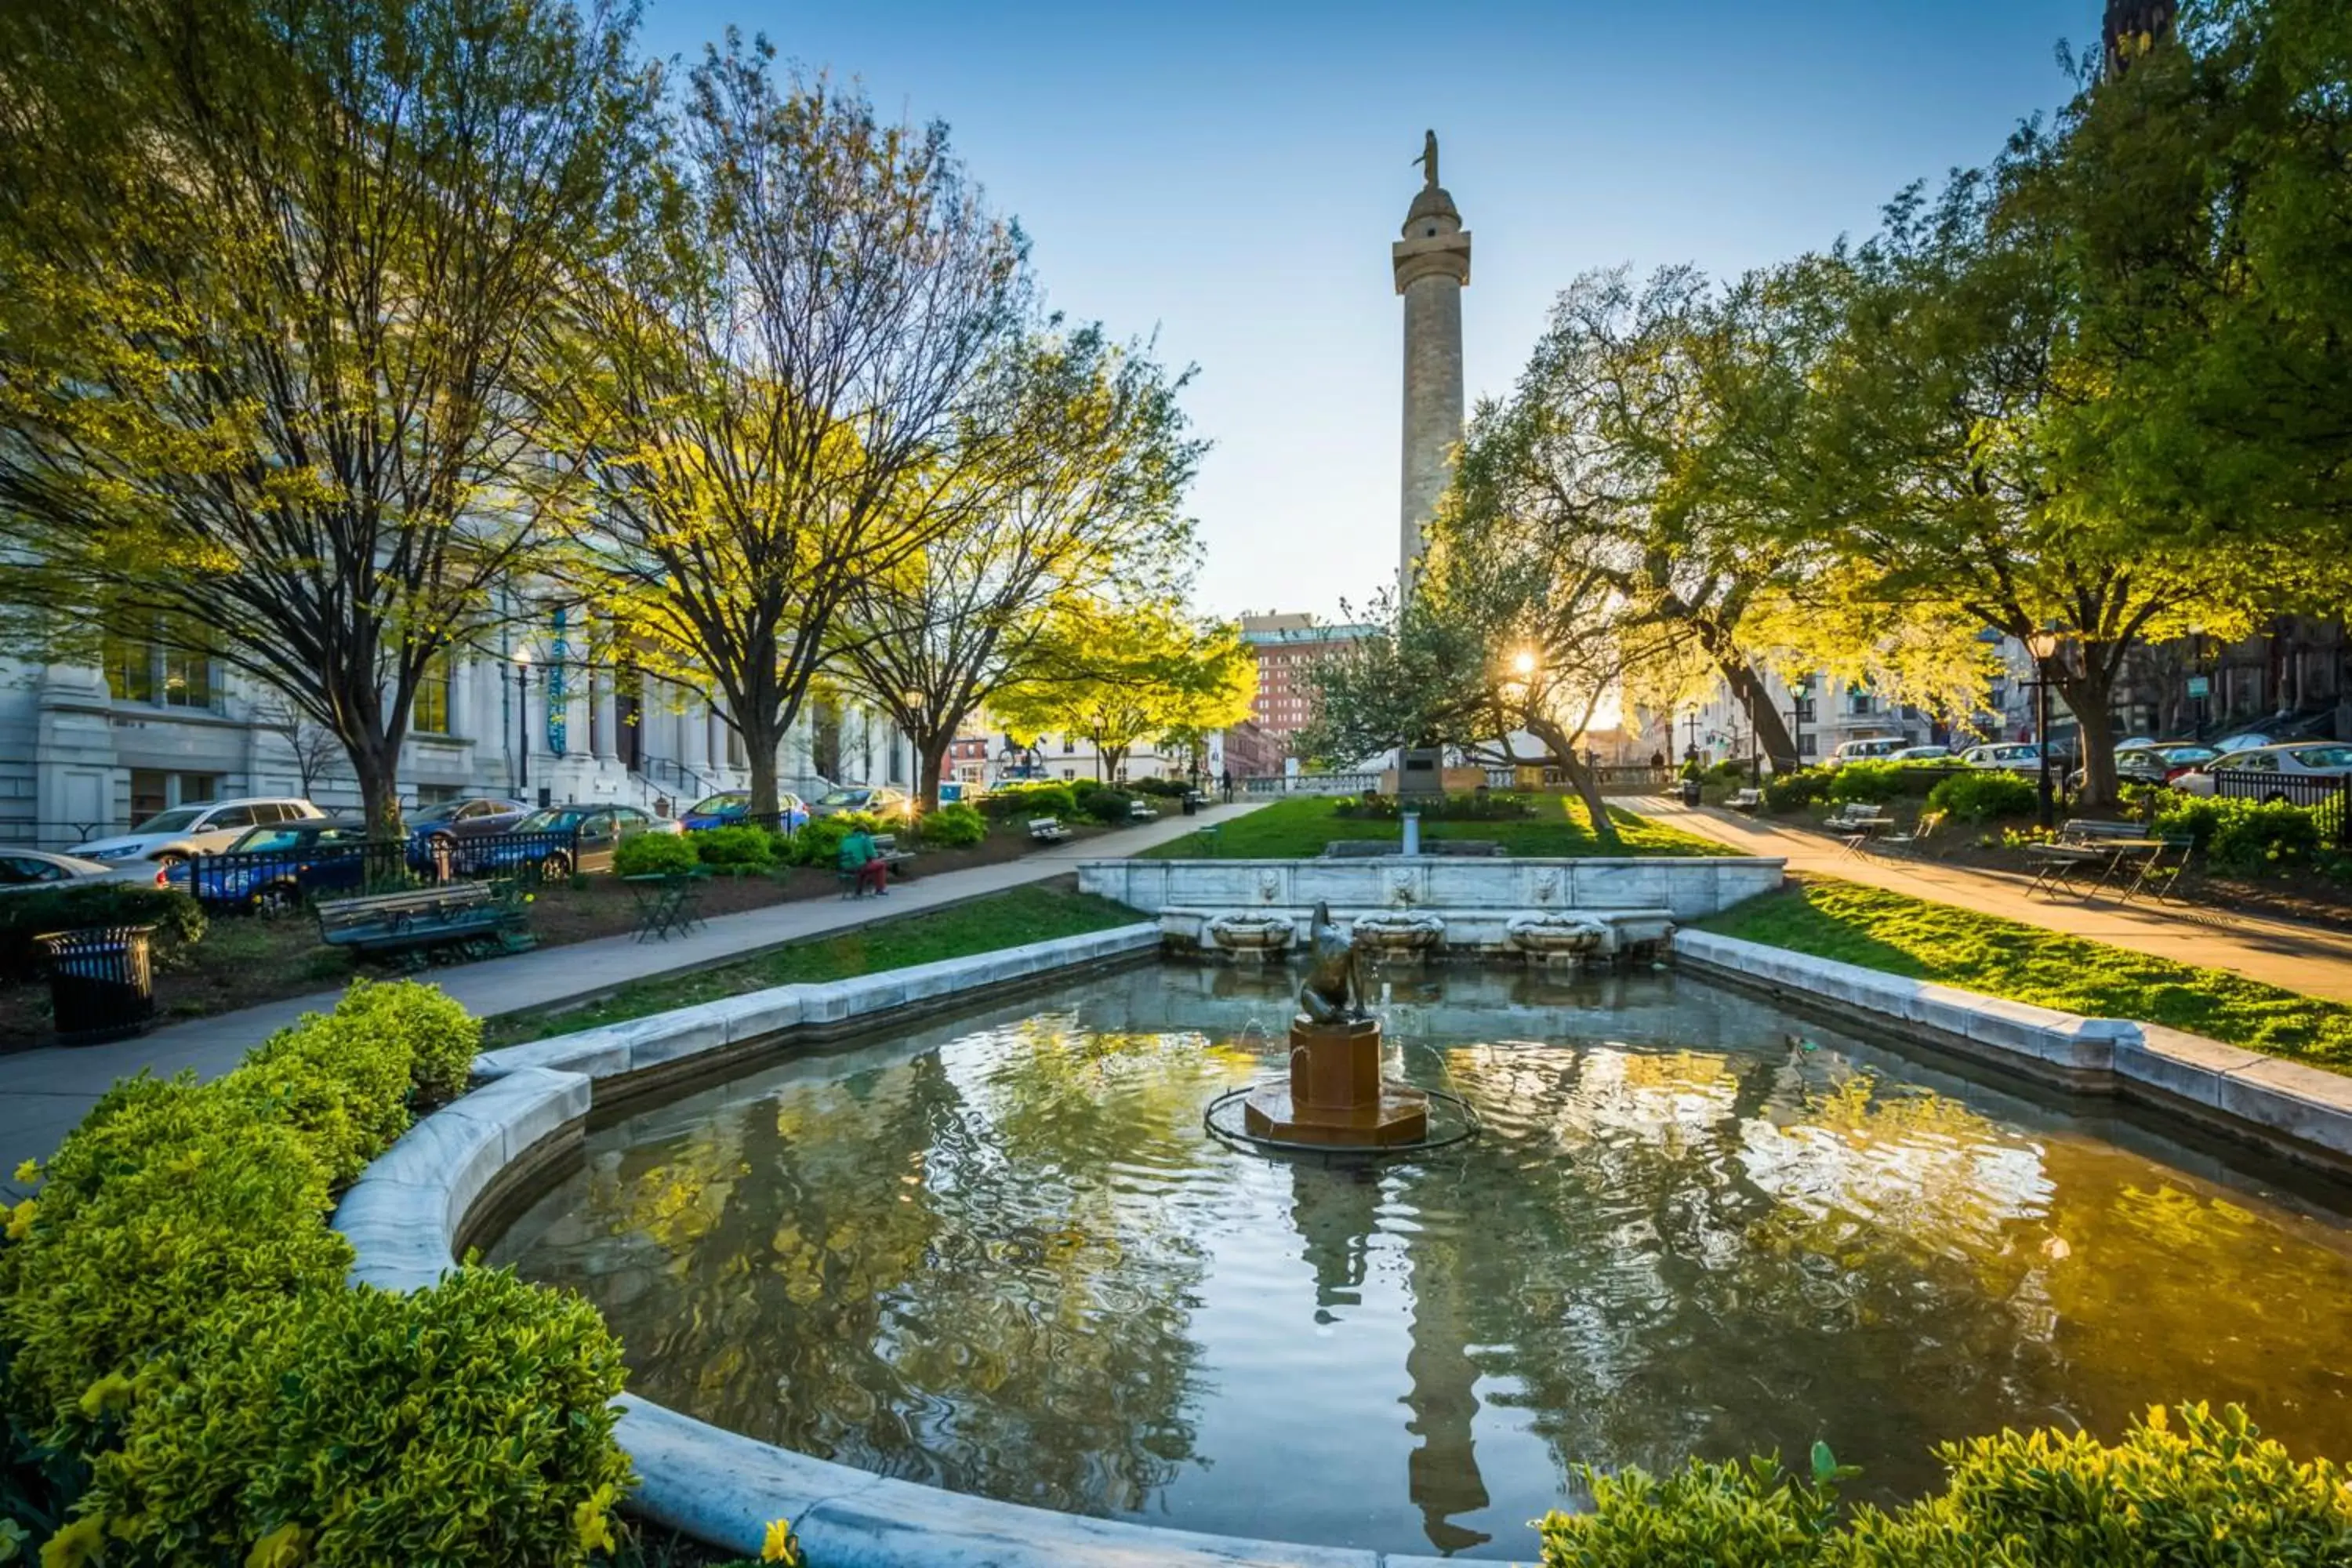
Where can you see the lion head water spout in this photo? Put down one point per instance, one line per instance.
(1335, 1096)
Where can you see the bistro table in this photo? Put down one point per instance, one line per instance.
(667, 902)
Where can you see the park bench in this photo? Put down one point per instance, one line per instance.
(1047, 829)
(477, 917)
(1745, 800)
(1142, 811)
(2114, 849)
(1924, 831)
(1854, 823)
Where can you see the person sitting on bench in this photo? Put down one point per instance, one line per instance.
(861, 858)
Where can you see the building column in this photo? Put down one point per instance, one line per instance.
(462, 675)
(608, 715)
(694, 733)
(718, 737)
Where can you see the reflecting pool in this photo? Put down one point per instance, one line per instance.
(1001, 1256)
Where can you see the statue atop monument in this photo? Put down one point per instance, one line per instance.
(1334, 992)
(1428, 160)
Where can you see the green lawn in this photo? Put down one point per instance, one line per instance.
(1037, 913)
(1300, 826)
(1856, 924)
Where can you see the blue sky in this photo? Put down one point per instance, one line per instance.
(1230, 176)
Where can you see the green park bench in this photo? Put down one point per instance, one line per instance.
(473, 919)
(887, 850)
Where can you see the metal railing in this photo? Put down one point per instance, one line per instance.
(281, 880)
(1309, 784)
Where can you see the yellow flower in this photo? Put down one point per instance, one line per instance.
(779, 1545)
(591, 1523)
(284, 1547)
(30, 1171)
(77, 1545)
(20, 1219)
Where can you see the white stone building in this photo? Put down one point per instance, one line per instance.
(85, 751)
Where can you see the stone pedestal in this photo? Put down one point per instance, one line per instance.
(1335, 1094)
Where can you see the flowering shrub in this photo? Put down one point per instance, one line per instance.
(2245, 837)
(1984, 795)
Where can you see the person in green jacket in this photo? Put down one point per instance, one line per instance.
(862, 858)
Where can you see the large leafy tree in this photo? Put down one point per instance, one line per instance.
(1084, 504)
(1119, 672)
(806, 376)
(266, 270)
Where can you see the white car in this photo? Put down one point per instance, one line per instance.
(1921, 754)
(22, 871)
(2017, 756)
(186, 831)
(2258, 773)
(1875, 749)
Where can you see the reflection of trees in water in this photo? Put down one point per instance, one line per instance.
(936, 1270)
(1672, 1291)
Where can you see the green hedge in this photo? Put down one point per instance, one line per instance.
(179, 921)
(1984, 793)
(1111, 808)
(819, 844)
(2196, 1489)
(175, 1329)
(2245, 837)
(1022, 800)
(653, 854)
(954, 826)
(742, 848)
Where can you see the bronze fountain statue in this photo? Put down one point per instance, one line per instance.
(1335, 1096)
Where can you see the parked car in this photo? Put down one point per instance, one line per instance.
(1875, 748)
(208, 828)
(449, 822)
(881, 800)
(2257, 773)
(731, 808)
(2017, 756)
(271, 870)
(2151, 762)
(1920, 754)
(21, 870)
(588, 833)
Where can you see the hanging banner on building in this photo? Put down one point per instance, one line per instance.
(557, 652)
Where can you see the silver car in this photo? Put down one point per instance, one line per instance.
(206, 828)
(27, 870)
(2260, 773)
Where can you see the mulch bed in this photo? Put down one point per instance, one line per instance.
(244, 961)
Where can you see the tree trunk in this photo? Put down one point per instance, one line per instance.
(760, 738)
(2087, 693)
(1581, 779)
(1773, 737)
(930, 762)
(377, 765)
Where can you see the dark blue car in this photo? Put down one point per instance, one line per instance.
(732, 807)
(271, 870)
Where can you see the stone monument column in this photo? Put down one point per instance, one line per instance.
(1432, 264)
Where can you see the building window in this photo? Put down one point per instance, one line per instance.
(430, 715)
(436, 795)
(142, 670)
(153, 789)
(1068, 748)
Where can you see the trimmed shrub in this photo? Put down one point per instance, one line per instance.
(2245, 837)
(1171, 789)
(1022, 800)
(1476, 805)
(1731, 772)
(1866, 782)
(954, 826)
(178, 920)
(172, 1315)
(741, 847)
(469, 1423)
(1983, 793)
(1111, 808)
(659, 854)
(1795, 791)
(2189, 1486)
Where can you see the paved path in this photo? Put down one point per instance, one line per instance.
(44, 1092)
(2313, 959)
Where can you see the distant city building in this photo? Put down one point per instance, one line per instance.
(1247, 752)
(1287, 647)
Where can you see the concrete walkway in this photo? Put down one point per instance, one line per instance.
(2310, 959)
(44, 1092)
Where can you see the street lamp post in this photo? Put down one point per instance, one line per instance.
(2042, 646)
(1798, 695)
(522, 720)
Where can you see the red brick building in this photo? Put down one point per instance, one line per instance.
(1287, 646)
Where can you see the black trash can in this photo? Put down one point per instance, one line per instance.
(102, 985)
(1191, 803)
(1690, 792)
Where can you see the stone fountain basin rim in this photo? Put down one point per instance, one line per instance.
(405, 1215)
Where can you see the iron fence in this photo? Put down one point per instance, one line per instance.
(279, 881)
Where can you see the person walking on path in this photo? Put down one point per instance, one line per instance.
(862, 860)
(1229, 787)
